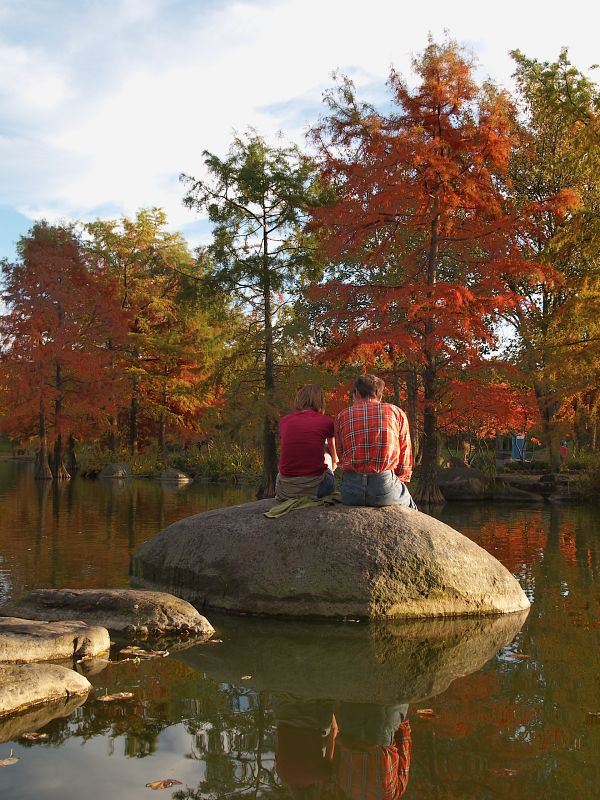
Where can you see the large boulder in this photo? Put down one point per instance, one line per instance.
(326, 562)
(383, 662)
(130, 611)
(23, 640)
(29, 685)
(460, 482)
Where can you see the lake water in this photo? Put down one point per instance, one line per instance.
(495, 709)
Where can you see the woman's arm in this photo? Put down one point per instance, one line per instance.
(333, 452)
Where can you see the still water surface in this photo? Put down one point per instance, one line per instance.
(252, 716)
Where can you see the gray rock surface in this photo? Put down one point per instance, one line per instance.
(29, 685)
(132, 611)
(383, 661)
(326, 562)
(463, 483)
(24, 640)
(33, 719)
(174, 476)
(115, 471)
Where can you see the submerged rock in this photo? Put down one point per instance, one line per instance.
(461, 482)
(132, 611)
(28, 685)
(174, 476)
(24, 640)
(115, 471)
(326, 562)
(384, 661)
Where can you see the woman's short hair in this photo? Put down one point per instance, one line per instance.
(310, 396)
(369, 387)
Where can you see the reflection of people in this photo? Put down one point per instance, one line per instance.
(304, 435)
(373, 442)
(564, 450)
(372, 751)
(305, 739)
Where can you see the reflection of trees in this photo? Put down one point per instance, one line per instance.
(82, 534)
(237, 747)
(519, 727)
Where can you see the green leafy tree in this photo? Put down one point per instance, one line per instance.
(164, 360)
(557, 326)
(256, 198)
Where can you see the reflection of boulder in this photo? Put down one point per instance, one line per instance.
(24, 640)
(134, 612)
(326, 562)
(461, 482)
(35, 718)
(22, 686)
(383, 662)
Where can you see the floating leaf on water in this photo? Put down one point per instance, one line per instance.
(109, 698)
(427, 713)
(8, 762)
(165, 783)
(214, 641)
(504, 772)
(246, 677)
(139, 652)
(520, 655)
(34, 737)
(594, 714)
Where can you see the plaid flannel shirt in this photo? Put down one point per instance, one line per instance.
(374, 772)
(374, 437)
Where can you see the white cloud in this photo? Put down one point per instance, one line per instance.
(108, 112)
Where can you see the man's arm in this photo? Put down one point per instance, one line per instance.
(405, 463)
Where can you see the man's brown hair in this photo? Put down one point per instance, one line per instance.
(310, 396)
(369, 387)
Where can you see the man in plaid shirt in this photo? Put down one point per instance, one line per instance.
(374, 449)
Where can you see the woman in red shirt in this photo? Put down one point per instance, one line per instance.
(305, 466)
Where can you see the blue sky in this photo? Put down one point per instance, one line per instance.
(104, 102)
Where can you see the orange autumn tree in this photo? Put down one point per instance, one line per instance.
(59, 317)
(477, 407)
(421, 237)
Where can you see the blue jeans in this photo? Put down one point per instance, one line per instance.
(375, 489)
(327, 485)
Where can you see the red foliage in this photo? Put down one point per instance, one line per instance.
(55, 337)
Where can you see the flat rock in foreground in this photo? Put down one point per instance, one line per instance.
(24, 640)
(329, 562)
(131, 611)
(23, 686)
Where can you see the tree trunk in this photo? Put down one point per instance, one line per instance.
(411, 410)
(267, 489)
(59, 471)
(113, 439)
(396, 382)
(133, 421)
(428, 492)
(42, 467)
(548, 408)
(72, 465)
(162, 441)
